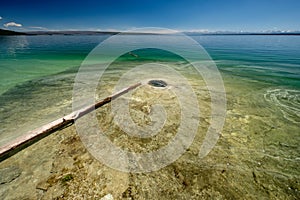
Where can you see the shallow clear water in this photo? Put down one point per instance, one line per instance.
(262, 81)
(30, 64)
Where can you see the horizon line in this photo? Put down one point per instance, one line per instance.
(154, 31)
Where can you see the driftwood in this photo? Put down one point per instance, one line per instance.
(39, 133)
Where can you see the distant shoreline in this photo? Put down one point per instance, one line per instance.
(222, 34)
(4, 32)
(8, 32)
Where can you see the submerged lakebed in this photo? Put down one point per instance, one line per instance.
(257, 154)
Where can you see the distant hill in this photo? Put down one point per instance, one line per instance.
(195, 33)
(84, 33)
(7, 32)
(69, 32)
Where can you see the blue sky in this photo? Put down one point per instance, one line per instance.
(212, 15)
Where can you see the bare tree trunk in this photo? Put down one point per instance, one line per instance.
(33, 136)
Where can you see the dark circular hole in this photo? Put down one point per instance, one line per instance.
(157, 83)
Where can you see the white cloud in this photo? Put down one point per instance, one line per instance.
(37, 27)
(12, 24)
(153, 30)
(197, 30)
(1, 18)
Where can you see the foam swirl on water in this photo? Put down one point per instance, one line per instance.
(288, 101)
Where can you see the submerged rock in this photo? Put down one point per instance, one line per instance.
(107, 197)
(43, 185)
(9, 174)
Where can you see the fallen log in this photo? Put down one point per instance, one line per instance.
(33, 136)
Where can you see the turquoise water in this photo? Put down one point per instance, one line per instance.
(35, 69)
(274, 59)
(256, 157)
(24, 58)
